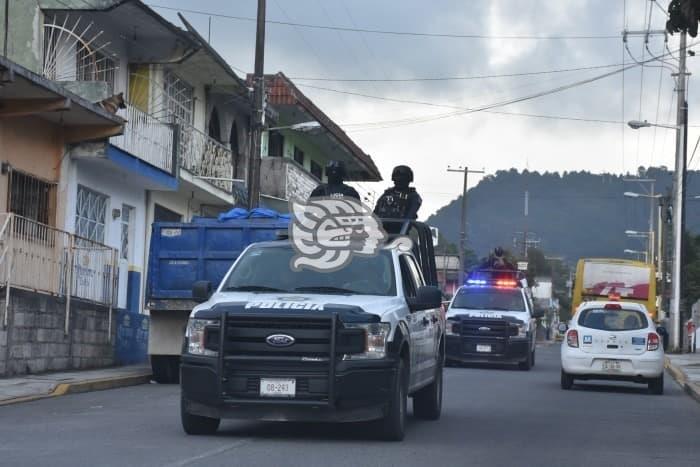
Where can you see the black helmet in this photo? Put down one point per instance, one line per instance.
(402, 172)
(498, 251)
(335, 169)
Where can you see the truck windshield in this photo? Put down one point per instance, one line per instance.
(489, 299)
(268, 269)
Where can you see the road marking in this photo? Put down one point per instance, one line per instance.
(215, 452)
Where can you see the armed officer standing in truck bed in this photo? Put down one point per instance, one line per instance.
(335, 188)
(401, 201)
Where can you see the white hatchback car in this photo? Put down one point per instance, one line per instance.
(612, 341)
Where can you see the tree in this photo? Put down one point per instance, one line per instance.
(683, 15)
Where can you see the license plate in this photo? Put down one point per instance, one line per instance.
(483, 348)
(278, 387)
(611, 365)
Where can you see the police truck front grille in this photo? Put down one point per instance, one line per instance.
(247, 336)
(486, 328)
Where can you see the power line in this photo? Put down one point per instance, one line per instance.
(396, 33)
(456, 78)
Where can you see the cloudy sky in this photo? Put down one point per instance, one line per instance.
(481, 140)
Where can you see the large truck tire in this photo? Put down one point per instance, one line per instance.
(427, 403)
(393, 426)
(166, 369)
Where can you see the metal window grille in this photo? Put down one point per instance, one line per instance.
(127, 214)
(299, 156)
(31, 197)
(94, 66)
(180, 96)
(90, 214)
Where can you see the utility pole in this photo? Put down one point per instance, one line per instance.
(258, 114)
(463, 222)
(679, 199)
(526, 212)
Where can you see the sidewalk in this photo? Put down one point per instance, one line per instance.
(33, 387)
(685, 369)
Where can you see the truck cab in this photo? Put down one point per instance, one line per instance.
(275, 344)
(492, 319)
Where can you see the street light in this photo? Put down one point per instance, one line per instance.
(302, 127)
(637, 252)
(637, 124)
(630, 194)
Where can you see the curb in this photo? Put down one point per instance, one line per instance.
(62, 389)
(692, 389)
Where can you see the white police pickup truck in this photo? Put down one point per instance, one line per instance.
(344, 346)
(492, 319)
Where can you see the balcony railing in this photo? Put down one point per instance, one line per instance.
(205, 157)
(147, 138)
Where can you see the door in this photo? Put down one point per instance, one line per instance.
(418, 325)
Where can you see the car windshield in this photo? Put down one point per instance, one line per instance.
(490, 299)
(612, 320)
(268, 269)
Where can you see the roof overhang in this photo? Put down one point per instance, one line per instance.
(23, 94)
(295, 107)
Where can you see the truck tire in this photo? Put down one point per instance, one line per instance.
(393, 426)
(165, 369)
(567, 380)
(196, 424)
(527, 364)
(427, 403)
(656, 385)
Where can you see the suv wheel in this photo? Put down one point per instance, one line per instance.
(393, 426)
(656, 385)
(196, 424)
(567, 380)
(427, 403)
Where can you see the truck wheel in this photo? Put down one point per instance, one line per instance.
(195, 424)
(567, 380)
(656, 385)
(393, 426)
(528, 363)
(427, 403)
(165, 368)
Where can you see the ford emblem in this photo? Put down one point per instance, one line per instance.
(279, 340)
(484, 329)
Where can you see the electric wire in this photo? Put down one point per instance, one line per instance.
(397, 33)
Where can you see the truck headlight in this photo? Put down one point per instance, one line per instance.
(199, 333)
(376, 340)
(451, 328)
(522, 329)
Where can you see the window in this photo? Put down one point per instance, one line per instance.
(94, 66)
(316, 170)
(90, 214)
(179, 97)
(162, 214)
(127, 232)
(299, 156)
(31, 197)
(490, 298)
(276, 145)
(613, 320)
(409, 285)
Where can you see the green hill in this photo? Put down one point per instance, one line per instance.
(575, 214)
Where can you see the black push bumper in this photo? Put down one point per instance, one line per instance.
(360, 391)
(464, 349)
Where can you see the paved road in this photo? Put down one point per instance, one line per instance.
(491, 417)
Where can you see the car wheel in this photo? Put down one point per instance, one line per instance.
(567, 380)
(196, 424)
(527, 364)
(656, 385)
(427, 403)
(393, 426)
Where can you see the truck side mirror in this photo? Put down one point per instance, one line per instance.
(562, 327)
(427, 297)
(201, 291)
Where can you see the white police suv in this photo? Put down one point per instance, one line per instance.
(610, 340)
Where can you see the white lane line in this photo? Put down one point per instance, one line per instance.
(214, 452)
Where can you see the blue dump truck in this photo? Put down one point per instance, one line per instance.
(183, 253)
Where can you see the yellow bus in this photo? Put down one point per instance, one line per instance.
(620, 279)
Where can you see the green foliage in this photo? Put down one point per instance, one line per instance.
(683, 15)
(691, 269)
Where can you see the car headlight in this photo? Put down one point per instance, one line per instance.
(522, 329)
(199, 333)
(451, 328)
(376, 340)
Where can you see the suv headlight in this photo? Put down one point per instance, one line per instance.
(197, 335)
(376, 340)
(451, 328)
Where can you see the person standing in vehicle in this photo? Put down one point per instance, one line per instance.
(335, 188)
(401, 201)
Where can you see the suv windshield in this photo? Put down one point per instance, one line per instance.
(612, 320)
(268, 269)
(490, 299)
